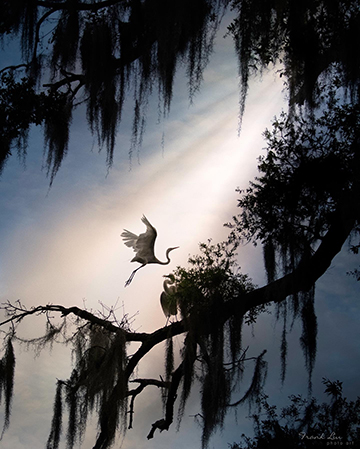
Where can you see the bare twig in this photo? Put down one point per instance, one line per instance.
(67, 80)
(14, 67)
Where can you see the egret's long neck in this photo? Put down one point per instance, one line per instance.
(167, 257)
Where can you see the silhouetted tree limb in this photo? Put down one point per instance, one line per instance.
(142, 384)
(164, 423)
(17, 313)
(304, 277)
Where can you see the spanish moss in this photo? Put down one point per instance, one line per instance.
(56, 423)
(309, 333)
(7, 373)
(100, 359)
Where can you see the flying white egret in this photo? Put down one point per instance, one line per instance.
(167, 301)
(143, 245)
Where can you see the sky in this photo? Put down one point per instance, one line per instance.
(63, 246)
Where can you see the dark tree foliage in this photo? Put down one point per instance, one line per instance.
(309, 174)
(7, 372)
(310, 167)
(21, 106)
(201, 293)
(315, 41)
(101, 53)
(305, 423)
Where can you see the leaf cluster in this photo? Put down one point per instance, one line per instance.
(310, 167)
(212, 352)
(21, 106)
(305, 423)
(213, 273)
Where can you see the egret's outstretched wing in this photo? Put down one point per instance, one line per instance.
(142, 244)
(146, 242)
(150, 230)
(130, 239)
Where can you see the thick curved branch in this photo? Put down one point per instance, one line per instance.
(163, 424)
(301, 279)
(307, 273)
(18, 313)
(151, 340)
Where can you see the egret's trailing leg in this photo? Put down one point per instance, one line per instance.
(132, 275)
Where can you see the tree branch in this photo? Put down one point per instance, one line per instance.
(17, 314)
(37, 33)
(151, 340)
(133, 393)
(68, 79)
(164, 423)
(301, 279)
(308, 272)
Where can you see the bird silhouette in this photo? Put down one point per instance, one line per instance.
(143, 245)
(167, 300)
